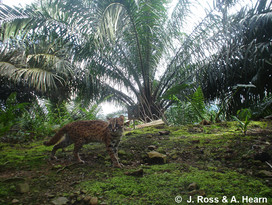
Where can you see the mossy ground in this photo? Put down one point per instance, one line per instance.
(220, 160)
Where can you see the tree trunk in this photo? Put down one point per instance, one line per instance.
(149, 110)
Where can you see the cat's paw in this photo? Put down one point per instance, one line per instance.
(118, 165)
(81, 161)
(53, 158)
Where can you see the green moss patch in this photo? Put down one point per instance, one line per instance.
(210, 161)
(161, 183)
(18, 156)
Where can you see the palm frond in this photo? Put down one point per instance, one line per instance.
(6, 69)
(40, 79)
(8, 13)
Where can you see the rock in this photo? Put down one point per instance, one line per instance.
(165, 132)
(264, 174)
(87, 198)
(94, 201)
(156, 158)
(83, 191)
(151, 147)
(192, 186)
(137, 173)
(60, 201)
(22, 188)
(15, 201)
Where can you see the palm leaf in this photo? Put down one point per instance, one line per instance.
(7, 69)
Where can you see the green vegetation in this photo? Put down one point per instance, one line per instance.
(209, 161)
(140, 53)
(161, 183)
(21, 122)
(8, 115)
(60, 59)
(243, 119)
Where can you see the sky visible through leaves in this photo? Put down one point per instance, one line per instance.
(197, 14)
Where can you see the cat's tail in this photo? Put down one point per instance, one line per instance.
(56, 138)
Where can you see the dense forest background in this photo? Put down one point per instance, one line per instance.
(60, 60)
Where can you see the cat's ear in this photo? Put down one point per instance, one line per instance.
(122, 117)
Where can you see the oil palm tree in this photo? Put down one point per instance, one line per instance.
(33, 54)
(118, 47)
(133, 38)
(130, 40)
(243, 58)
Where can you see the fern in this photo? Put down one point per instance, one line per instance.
(10, 113)
(187, 112)
(197, 103)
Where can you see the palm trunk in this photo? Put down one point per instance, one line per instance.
(149, 110)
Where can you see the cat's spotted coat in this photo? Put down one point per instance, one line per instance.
(83, 132)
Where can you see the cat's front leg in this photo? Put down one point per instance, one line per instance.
(113, 157)
(77, 147)
(115, 150)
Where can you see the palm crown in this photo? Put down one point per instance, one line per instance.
(117, 47)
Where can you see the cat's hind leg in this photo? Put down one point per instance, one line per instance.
(77, 147)
(64, 143)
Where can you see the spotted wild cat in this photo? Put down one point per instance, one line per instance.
(83, 132)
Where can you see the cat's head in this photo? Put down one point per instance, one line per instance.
(116, 125)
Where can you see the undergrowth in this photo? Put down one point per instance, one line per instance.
(218, 159)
